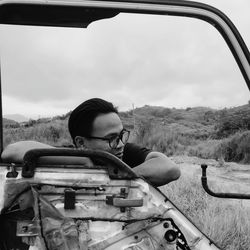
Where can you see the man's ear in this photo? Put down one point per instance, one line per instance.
(80, 142)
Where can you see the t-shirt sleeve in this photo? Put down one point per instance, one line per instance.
(134, 155)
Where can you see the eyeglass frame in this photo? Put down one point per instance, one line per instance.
(109, 139)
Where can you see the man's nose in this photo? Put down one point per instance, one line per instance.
(120, 144)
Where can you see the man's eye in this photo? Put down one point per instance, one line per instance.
(112, 138)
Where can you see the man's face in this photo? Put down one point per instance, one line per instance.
(107, 126)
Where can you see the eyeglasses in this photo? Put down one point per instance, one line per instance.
(114, 140)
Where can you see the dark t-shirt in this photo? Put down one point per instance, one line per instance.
(134, 155)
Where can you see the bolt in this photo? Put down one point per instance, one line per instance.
(166, 225)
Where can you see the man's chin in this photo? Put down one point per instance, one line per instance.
(119, 155)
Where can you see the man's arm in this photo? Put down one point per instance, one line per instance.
(16, 151)
(158, 169)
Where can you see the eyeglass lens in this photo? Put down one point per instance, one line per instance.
(123, 136)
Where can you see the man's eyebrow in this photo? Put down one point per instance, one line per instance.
(111, 135)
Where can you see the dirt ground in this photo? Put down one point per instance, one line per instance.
(222, 176)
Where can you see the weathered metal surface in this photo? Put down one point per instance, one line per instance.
(149, 221)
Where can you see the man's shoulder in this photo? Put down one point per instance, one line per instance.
(134, 154)
(135, 147)
(130, 145)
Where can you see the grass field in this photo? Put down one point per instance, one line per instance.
(225, 221)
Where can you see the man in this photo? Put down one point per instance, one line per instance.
(95, 124)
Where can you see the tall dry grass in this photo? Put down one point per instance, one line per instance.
(226, 222)
(185, 139)
(53, 133)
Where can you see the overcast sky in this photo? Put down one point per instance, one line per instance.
(129, 60)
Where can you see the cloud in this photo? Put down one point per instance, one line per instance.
(128, 60)
(31, 109)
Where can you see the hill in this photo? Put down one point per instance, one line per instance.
(16, 117)
(192, 114)
(197, 131)
(8, 123)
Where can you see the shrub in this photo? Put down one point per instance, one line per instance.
(160, 112)
(176, 139)
(54, 133)
(230, 123)
(237, 147)
(162, 138)
(208, 149)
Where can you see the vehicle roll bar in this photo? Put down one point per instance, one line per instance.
(32, 157)
(219, 195)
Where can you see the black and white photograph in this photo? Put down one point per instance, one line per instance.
(125, 125)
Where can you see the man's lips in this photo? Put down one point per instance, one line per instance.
(119, 155)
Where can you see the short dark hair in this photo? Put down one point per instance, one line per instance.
(82, 117)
